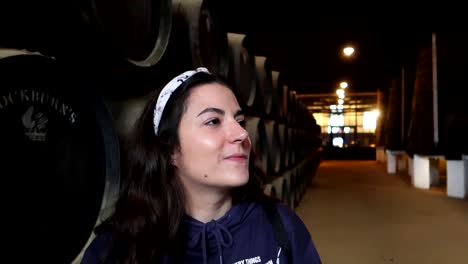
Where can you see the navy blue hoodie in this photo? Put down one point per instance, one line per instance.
(243, 235)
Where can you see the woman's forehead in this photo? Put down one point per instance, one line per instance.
(213, 94)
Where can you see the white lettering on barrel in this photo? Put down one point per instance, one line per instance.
(6, 100)
(23, 96)
(33, 96)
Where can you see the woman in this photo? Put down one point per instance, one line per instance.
(191, 193)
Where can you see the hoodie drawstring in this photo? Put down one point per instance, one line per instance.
(225, 241)
(222, 236)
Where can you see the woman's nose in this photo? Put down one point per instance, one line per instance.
(237, 133)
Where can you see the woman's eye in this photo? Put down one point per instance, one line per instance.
(212, 122)
(242, 123)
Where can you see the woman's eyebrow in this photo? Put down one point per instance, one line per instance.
(219, 111)
(212, 109)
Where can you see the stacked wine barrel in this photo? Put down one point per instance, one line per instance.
(68, 100)
(452, 110)
(283, 132)
(434, 112)
(59, 157)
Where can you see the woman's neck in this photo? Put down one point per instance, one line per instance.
(207, 206)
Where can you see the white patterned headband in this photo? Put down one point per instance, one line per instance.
(167, 92)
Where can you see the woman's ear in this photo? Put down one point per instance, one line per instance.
(174, 159)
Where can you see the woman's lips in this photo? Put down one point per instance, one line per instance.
(237, 157)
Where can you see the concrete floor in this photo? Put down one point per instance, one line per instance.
(356, 213)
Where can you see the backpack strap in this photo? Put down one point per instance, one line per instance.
(278, 228)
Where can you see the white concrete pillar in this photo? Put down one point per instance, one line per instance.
(421, 177)
(391, 163)
(457, 179)
(380, 154)
(426, 171)
(278, 184)
(392, 160)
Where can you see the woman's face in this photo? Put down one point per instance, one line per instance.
(214, 146)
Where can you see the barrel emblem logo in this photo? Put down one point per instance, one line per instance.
(35, 124)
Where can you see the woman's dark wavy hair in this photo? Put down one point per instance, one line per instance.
(146, 223)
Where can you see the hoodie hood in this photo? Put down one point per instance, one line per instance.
(210, 239)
